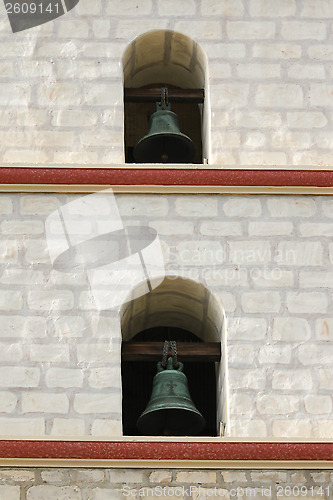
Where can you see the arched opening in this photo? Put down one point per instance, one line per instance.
(164, 58)
(188, 312)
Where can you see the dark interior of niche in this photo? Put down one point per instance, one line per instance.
(137, 381)
(137, 116)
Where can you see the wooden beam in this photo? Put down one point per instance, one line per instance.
(187, 351)
(154, 95)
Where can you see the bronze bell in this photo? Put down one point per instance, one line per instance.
(170, 411)
(164, 143)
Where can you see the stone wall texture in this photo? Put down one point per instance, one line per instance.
(269, 67)
(106, 484)
(266, 260)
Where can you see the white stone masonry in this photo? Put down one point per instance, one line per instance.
(267, 261)
(267, 80)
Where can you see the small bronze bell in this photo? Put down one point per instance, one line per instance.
(170, 411)
(164, 143)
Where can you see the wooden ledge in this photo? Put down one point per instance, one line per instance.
(154, 95)
(187, 351)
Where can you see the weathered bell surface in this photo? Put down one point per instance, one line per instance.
(170, 411)
(164, 143)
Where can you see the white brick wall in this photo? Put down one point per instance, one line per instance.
(267, 68)
(103, 484)
(268, 261)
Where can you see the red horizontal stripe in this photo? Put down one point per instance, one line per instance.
(167, 177)
(245, 451)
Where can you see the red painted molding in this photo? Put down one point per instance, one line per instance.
(126, 450)
(165, 176)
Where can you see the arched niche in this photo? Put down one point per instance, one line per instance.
(166, 58)
(186, 306)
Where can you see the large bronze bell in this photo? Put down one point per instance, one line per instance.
(164, 143)
(170, 411)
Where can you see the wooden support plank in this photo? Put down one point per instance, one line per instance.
(187, 351)
(154, 95)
